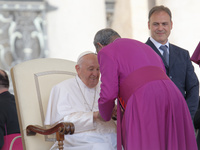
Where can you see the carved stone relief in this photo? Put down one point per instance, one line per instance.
(22, 32)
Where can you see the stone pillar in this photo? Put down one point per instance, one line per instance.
(130, 19)
(71, 28)
(122, 21)
(140, 20)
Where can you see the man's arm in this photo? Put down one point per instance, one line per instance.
(63, 107)
(192, 88)
(109, 85)
(83, 121)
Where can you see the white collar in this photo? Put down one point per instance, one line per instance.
(157, 44)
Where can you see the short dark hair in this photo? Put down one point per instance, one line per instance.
(104, 37)
(158, 9)
(4, 81)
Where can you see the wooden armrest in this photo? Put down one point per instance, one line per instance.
(60, 129)
(64, 127)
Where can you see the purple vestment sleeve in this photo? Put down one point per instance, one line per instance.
(109, 85)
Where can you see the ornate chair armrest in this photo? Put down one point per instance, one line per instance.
(64, 127)
(60, 129)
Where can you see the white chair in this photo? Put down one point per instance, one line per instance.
(32, 83)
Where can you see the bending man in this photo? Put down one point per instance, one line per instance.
(156, 116)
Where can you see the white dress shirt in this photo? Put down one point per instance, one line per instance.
(157, 45)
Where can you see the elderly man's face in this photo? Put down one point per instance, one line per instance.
(88, 71)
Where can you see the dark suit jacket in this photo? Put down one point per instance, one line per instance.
(8, 116)
(181, 72)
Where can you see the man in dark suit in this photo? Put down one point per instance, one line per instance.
(8, 112)
(176, 60)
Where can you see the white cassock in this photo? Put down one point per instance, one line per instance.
(72, 101)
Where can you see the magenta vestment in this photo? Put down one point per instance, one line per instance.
(156, 115)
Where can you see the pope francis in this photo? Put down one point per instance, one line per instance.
(76, 100)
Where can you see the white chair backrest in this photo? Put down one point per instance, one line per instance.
(32, 83)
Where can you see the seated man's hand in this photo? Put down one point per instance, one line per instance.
(114, 113)
(96, 116)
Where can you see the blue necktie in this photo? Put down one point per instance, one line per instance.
(165, 53)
